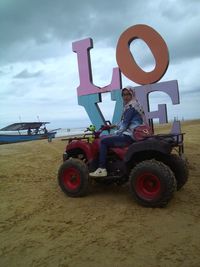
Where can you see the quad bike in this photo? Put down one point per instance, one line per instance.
(154, 167)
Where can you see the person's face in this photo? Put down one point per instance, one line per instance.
(127, 96)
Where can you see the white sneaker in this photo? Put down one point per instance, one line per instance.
(99, 173)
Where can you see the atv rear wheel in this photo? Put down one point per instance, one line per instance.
(73, 178)
(152, 183)
(180, 168)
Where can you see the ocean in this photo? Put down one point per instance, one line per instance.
(70, 131)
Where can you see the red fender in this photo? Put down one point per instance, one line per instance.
(90, 149)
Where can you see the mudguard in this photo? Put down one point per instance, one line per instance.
(149, 144)
(90, 150)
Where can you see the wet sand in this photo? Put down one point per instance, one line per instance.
(41, 226)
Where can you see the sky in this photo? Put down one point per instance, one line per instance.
(39, 71)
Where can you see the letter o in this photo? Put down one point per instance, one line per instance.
(158, 47)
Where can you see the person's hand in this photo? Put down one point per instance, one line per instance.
(112, 126)
(117, 132)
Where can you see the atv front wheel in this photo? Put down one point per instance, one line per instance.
(152, 183)
(73, 178)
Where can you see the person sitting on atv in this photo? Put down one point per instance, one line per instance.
(132, 116)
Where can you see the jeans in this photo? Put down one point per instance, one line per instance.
(112, 141)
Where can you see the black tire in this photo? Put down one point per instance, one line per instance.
(152, 183)
(180, 168)
(73, 178)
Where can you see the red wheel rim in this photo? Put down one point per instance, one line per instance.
(71, 178)
(148, 186)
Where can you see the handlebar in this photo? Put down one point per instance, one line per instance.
(91, 129)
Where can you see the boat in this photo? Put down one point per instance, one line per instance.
(25, 131)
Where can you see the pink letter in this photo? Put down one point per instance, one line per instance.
(86, 86)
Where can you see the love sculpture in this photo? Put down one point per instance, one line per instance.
(89, 95)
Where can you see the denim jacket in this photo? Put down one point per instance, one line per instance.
(131, 118)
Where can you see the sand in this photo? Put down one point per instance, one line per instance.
(41, 226)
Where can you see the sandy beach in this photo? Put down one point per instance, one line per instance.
(41, 226)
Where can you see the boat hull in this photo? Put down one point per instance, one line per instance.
(9, 138)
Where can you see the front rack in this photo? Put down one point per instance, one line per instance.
(85, 137)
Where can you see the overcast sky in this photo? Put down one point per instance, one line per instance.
(39, 72)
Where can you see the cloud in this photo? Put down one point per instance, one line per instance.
(62, 19)
(194, 91)
(25, 74)
(36, 29)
